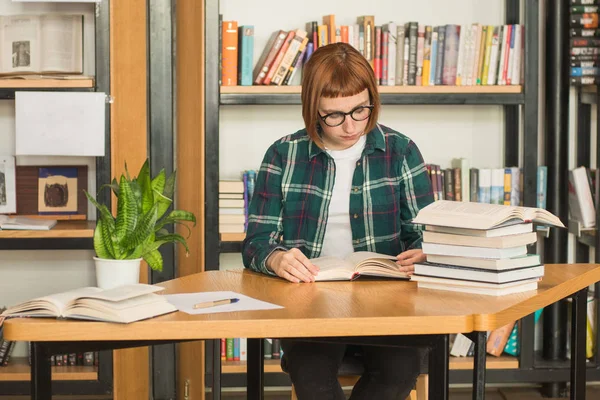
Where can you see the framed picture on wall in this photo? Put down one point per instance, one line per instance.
(57, 190)
(8, 190)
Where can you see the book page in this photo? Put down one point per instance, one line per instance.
(360, 256)
(124, 292)
(51, 305)
(20, 44)
(62, 43)
(332, 268)
(541, 216)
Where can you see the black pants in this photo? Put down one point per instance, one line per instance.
(390, 373)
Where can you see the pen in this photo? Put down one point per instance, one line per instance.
(214, 303)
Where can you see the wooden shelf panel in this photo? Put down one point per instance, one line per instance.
(18, 370)
(87, 82)
(263, 89)
(63, 229)
(232, 237)
(456, 363)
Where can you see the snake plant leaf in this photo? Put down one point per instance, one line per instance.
(169, 190)
(163, 203)
(145, 184)
(104, 211)
(162, 232)
(158, 183)
(115, 187)
(143, 229)
(177, 216)
(102, 244)
(127, 211)
(172, 238)
(154, 260)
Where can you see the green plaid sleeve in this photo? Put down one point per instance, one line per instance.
(416, 193)
(265, 227)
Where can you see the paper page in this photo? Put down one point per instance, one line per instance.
(185, 302)
(62, 43)
(60, 123)
(332, 268)
(359, 256)
(20, 44)
(57, 301)
(121, 293)
(463, 214)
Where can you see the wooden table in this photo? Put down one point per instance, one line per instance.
(386, 312)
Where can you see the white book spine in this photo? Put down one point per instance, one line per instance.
(392, 41)
(493, 68)
(503, 43)
(243, 349)
(516, 65)
(399, 54)
(462, 50)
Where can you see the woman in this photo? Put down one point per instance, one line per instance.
(342, 184)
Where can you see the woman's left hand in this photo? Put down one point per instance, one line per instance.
(408, 258)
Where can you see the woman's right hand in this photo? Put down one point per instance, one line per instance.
(292, 265)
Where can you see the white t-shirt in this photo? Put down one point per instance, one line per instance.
(338, 234)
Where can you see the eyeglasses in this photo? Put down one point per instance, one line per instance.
(337, 118)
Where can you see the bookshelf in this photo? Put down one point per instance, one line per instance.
(520, 141)
(66, 235)
(18, 370)
(480, 95)
(456, 363)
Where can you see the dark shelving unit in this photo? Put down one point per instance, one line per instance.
(103, 384)
(521, 112)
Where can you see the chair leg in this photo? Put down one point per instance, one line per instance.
(423, 387)
(294, 397)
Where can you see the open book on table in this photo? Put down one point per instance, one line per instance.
(357, 264)
(481, 215)
(122, 304)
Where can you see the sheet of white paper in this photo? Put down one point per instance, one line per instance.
(60, 123)
(185, 302)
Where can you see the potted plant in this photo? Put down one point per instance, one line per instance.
(139, 228)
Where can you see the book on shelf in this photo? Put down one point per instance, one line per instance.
(24, 223)
(581, 202)
(124, 304)
(41, 44)
(481, 215)
(357, 264)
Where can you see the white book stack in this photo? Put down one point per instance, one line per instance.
(231, 207)
(480, 248)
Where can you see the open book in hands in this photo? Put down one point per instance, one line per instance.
(481, 215)
(122, 304)
(357, 264)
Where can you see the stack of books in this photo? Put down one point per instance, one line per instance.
(480, 248)
(232, 206)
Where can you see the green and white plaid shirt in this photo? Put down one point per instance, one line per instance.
(293, 191)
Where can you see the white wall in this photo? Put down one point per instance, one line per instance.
(27, 274)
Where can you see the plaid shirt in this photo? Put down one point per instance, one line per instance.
(293, 191)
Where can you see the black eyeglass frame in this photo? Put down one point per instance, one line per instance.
(370, 107)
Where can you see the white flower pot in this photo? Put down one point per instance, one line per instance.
(113, 273)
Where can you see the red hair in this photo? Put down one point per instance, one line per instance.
(336, 70)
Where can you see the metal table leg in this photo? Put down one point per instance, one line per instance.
(438, 369)
(255, 370)
(578, 336)
(41, 374)
(480, 339)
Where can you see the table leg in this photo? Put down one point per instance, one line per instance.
(255, 370)
(41, 374)
(216, 383)
(578, 336)
(438, 369)
(480, 339)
